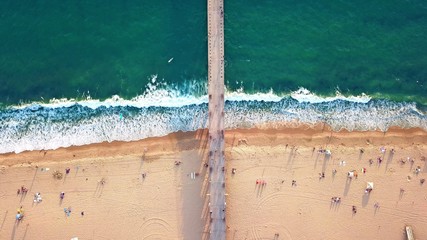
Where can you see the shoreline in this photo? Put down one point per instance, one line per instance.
(157, 199)
(45, 128)
(106, 149)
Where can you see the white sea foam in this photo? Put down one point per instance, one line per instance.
(161, 95)
(163, 109)
(50, 128)
(304, 95)
(156, 94)
(53, 128)
(240, 95)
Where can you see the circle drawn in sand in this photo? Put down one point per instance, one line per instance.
(276, 195)
(273, 228)
(270, 197)
(155, 224)
(254, 233)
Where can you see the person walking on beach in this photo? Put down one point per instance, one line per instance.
(24, 190)
(294, 183)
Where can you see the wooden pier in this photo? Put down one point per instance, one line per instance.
(217, 201)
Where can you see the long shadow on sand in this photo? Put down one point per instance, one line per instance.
(325, 160)
(15, 226)
(347, 186)
(25, 233)
(335, 206)
(4, 219)
(291, 158)
(24, 194)
(315, 161)
(389, 160)
(360, 155)
(365, 199)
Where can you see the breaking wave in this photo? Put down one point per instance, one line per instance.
(63, 123)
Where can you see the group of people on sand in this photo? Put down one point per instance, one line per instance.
(261, 182)
(38, 199)
(22, 190)
(368, 190)
(335, 199)
(20, 214)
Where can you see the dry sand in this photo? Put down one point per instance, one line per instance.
(169, 204)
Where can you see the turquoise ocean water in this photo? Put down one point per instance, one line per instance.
(126, 70)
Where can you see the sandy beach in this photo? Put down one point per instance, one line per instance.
(139, 190)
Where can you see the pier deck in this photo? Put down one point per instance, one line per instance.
(217, 202)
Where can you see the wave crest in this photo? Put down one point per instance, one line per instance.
(39, 127)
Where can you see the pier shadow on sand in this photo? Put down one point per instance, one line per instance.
(194, 191)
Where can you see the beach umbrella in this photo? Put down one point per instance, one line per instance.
(18, 216)
(370, 185)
